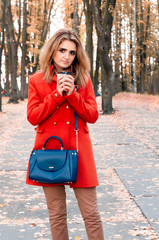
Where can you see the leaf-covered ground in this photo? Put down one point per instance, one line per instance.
(126, 152)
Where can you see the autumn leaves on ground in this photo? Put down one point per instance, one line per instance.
(126, 151)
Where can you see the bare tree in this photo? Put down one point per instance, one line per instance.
(14, 43)
(96, 75)
(48, 5)
(103, 24)
(24, 51)
(89, 31)
(2, 23)
(76, 22)
(155, 76)
(117, 49)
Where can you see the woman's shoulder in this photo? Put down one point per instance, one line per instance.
(37, 77)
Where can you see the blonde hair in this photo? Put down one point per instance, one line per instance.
(80, 65)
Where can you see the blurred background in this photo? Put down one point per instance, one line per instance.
(121, 38)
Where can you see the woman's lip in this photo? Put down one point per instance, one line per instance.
(65, 62)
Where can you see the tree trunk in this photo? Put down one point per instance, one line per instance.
(14, 88)
(8, 60)
(44, 30)
(24, 52)
(3, 5)
(76, 17)
(155, 81)
(131, 48)
(138, 65)
(142, 63)
(14, 48)
(89, 32)
(155, 76)
(7, 64)
(106, 91)
(117, 53)
(96, 75)
(103, 27)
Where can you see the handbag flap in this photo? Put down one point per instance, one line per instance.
(51, 160)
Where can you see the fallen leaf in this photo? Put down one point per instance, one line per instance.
(2, 205)
(33, 224)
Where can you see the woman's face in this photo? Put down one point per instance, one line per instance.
(64, 55)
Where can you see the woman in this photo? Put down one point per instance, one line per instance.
(52, 103)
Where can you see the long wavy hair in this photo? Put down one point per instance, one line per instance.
(80, 65)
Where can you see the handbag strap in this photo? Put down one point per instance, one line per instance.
(76, 124)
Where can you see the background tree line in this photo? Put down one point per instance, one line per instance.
(24, 26)
(106, 27)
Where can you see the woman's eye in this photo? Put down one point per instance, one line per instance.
(62, 50)
(73, 52)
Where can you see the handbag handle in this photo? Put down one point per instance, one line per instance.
(43, 148)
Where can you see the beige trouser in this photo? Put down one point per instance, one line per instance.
(87, 202)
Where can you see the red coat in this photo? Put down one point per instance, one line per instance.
(55, 115)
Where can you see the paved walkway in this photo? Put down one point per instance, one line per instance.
(126, 149)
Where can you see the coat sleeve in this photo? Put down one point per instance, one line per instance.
(86, 107)
(39, 110)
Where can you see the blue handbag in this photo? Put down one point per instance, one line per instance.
(54, 166)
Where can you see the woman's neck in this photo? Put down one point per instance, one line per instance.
(62, 70)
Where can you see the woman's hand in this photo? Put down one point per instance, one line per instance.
(68, 84)
(65, 84)
(60, 87)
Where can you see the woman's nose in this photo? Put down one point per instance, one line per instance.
(66, 55)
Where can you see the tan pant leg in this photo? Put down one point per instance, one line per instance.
(87, 201)
(56, 203)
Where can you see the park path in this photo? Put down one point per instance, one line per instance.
(126, 150)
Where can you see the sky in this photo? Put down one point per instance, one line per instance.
(57, 19)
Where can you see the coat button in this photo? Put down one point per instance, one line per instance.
(58, 107)
(56, 94)
(67, 107)
(67, 123)
(54, 123)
